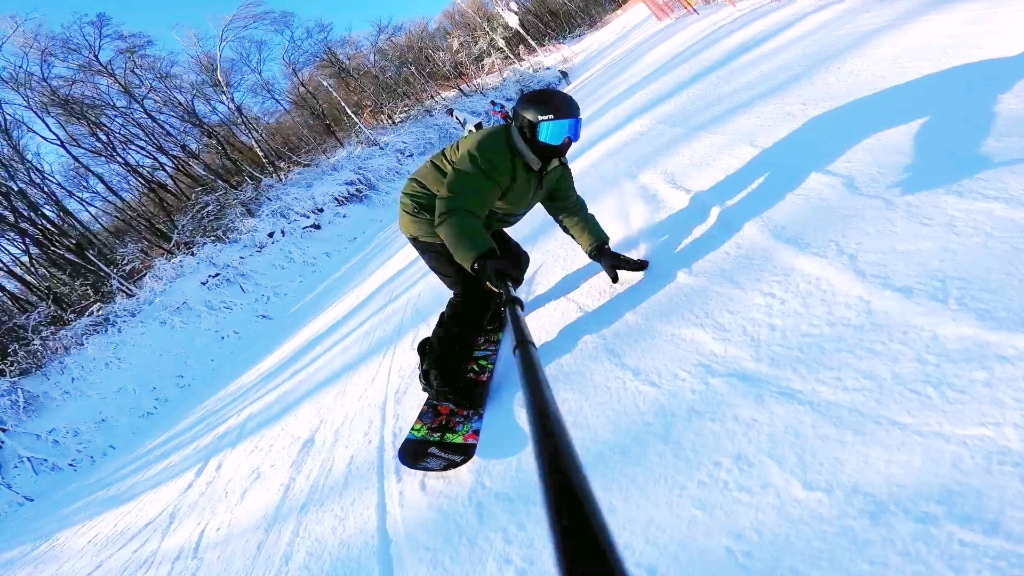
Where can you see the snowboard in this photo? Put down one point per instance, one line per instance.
(444, 435)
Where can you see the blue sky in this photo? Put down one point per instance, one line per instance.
(159, 17)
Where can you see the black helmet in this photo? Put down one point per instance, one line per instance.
(538, 106)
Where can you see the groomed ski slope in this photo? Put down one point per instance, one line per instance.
(821, 373)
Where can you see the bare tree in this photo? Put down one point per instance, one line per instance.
(302, 46)
(217, 59)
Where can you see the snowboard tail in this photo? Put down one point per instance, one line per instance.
(444, 435)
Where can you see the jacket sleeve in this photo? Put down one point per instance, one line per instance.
(471, 189)
(570, 211)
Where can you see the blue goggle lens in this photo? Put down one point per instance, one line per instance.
(555, 132)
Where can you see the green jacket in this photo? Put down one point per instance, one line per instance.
(487, 181)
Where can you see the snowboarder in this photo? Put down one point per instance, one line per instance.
(455, 207)
(498, 110)
(564, 75)
(464, 120)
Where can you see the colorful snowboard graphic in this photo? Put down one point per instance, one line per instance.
(445, 436)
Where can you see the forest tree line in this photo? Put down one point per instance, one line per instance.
(116, 151)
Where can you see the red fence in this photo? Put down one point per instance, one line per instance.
(662, 9)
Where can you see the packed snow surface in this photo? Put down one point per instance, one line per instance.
(822, 372)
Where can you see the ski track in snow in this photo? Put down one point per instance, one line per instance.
(819, 373)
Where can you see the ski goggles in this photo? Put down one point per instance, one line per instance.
(555, 132)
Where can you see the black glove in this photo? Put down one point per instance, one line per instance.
(495, 270)
(612, 262)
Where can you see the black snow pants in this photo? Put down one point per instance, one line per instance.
(472, 302)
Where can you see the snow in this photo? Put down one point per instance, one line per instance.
(819, 373)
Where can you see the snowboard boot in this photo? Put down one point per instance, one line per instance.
(426, 353)
(444, 361)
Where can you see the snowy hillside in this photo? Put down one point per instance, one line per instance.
(820, 373)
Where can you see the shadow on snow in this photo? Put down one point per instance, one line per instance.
(957, 103)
